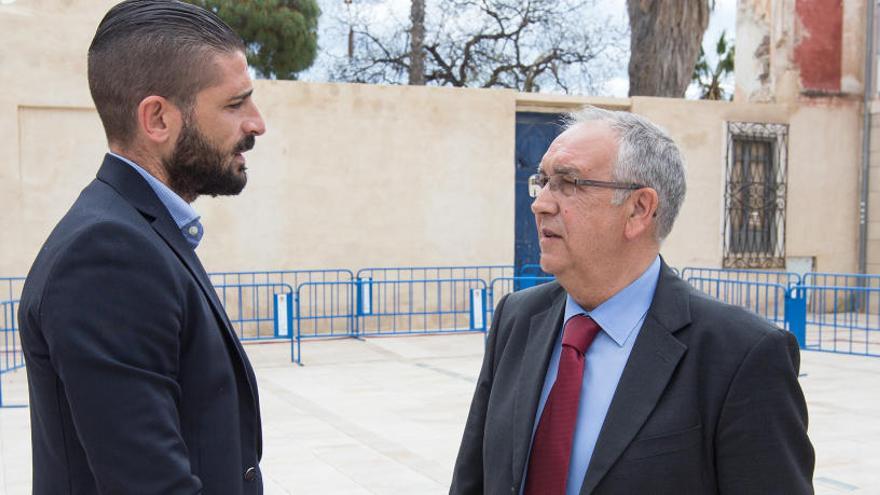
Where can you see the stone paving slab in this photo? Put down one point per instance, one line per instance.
(385, 416)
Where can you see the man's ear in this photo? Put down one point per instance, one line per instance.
(642, 212)
(159, 120)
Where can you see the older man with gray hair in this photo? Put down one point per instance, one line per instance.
(619, 377)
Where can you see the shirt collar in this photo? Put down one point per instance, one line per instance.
(183, 214)
(622, 313)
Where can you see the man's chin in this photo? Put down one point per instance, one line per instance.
(237, 181)
(233, 192)
(227, 189)
(550, 265)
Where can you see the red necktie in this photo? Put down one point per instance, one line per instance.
(551, 448)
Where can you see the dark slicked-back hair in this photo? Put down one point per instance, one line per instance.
(153, 47)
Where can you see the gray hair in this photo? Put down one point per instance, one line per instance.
(645, 155)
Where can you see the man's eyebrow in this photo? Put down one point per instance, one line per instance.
(243, 96)
(559, 170)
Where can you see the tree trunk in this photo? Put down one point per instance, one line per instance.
(665, 39)
(417, 41)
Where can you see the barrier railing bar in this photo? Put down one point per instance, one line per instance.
(242, 318)
(13, 358)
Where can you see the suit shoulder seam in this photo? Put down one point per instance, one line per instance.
(78, 234)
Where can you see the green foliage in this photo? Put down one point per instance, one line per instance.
(281, 35)
(709, 79)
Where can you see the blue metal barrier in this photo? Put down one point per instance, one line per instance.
(391, 307)
(289, 278)
(764, 298)
(482, 272)
(529, 276)
(826, 279)
(796, 315)
(786, 279)
(852, 300)
(502, 286)
(12, 358)
(833, 312)
(843, 320)
(253, 309)
(326, 309)
(425, 306)
(292, 277)
(10, 288)
(532, 270)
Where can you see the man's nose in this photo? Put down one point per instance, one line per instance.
(254, 124)
(544, 203)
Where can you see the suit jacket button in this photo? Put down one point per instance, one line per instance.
(250, 474)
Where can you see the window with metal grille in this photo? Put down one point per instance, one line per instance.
(754, 196)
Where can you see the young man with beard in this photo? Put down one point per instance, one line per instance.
(137, 381)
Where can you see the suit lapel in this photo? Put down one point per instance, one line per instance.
(653, 360)
(544, 327)
(135, 189)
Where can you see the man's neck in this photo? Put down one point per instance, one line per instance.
(144, 160)
(589, 291)
(150, 163)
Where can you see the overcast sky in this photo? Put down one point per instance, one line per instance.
(332, 39)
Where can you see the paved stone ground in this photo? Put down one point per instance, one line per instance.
(385, 415)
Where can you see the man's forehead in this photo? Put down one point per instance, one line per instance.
(581, 148)
(585, 134)
(230, 72)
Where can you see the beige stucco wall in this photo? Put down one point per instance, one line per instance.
(356, 175)
(873, 247)
(824, 157)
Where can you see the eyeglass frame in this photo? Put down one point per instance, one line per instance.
(533, 179)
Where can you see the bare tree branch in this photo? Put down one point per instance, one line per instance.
(527, 45)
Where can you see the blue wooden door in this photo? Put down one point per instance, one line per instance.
(534, 133)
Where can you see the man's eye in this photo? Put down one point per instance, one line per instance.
(236, 105)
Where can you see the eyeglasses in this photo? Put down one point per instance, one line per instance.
(568, 185)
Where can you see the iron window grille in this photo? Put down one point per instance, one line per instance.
(754, 195)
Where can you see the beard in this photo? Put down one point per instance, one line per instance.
(197, 167)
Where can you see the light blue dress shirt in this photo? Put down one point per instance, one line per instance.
(621, 318)
(186, 218)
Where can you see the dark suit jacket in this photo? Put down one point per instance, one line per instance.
(137, 381)
(709, 401)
